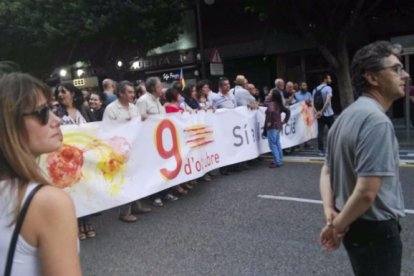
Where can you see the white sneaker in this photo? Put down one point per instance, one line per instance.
(157, 202)
(171, 197)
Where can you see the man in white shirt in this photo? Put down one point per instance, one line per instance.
(149, 104)
(122, 109)
(224, 98)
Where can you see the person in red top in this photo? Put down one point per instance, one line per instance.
(172, 106)
(171, 96)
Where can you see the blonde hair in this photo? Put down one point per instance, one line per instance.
(19, 93)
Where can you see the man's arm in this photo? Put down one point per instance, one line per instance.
(361, 199)
(327, 195)
(330, 239)
(327, 102)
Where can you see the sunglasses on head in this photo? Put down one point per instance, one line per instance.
(41, 113)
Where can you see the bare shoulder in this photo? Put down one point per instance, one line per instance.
(51, 200)
(50, 209)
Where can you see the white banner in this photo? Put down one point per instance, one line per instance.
(107, 164)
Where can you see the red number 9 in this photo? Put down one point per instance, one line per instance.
(173, 152)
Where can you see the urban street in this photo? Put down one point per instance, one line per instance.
(259, 221)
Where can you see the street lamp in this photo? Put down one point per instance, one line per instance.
(200, 35)
(80, 72)
(63, 72)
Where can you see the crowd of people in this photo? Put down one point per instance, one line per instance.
(360, 187)
(124, 100)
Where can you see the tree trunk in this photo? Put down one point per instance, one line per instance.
(343, 76)
(346, 95)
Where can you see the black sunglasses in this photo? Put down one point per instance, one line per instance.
(41, 113)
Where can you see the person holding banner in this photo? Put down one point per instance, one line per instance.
(72, 111)
(123, 110)
(273, 125)
(147, 105)
(47, 242)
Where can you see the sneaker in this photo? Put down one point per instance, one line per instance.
(274, 166)
(157, 202)
(171, 197)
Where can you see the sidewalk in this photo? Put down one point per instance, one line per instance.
(405, 140)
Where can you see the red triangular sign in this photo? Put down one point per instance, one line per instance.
(215, 57)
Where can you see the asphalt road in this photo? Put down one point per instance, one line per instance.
(225, 228)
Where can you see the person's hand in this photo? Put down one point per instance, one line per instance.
(330, 238)
(253, 105)
(318, 115)
(144, 116)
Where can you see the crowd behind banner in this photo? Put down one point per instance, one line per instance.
(158, 143)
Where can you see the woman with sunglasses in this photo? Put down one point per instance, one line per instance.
(47, 244)
(72, 111)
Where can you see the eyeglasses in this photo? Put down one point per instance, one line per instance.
(41, 113)
(398, 69)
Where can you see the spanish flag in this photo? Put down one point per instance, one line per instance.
(182, 80)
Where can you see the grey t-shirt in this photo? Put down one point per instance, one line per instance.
(362, 143)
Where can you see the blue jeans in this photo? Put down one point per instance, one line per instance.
(374, 247)
(273, 137)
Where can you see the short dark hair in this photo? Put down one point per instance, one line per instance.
(222, 80)
(370, 58)
(122, 86)
(177, 85)
(324, 76)
(171, 94)
(151, 83)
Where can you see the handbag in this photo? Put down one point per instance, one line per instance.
(16, 231)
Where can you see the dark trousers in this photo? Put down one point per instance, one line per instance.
(374, 247)
(322, 122)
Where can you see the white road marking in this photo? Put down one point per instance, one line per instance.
(297, 199)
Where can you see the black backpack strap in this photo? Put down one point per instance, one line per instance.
(322, 87)
(16, 231)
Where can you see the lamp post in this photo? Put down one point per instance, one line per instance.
(200, 36)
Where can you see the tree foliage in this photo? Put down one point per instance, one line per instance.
(33, 31)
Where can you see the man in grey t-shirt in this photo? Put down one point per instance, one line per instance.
(360, 186)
